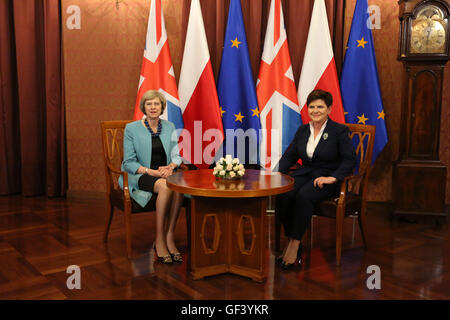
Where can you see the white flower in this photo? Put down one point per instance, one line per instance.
(229, 166)
(232, 174)
(218, 167)
(215, 171)
(241, 166)
(241, 173)
(221, 159)
(228, 156)
(235, 161)
(222, 172)
(236, 168)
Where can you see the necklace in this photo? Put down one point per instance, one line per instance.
(158, 131)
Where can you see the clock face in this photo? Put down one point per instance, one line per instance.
(428, 31)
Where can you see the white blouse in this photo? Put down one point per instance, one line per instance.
(312, 143)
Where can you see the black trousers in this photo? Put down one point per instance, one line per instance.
(297, 206)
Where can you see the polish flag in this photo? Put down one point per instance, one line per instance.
(198, 96)
(319, 67)
(157, 69)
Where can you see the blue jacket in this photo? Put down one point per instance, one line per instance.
(334, 155)
(137, 152)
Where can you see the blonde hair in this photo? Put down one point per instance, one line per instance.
(152, 94)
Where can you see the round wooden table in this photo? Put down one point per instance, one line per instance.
(227, 220)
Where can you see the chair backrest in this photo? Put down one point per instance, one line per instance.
(363, 137)
(112, 138)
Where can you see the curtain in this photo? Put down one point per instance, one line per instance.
(32, 131)
(297, 16)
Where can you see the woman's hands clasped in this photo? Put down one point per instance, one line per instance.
(162, 172)
(165, 171)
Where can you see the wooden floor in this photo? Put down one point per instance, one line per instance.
(40, 238)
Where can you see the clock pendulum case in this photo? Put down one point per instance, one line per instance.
(419, 177)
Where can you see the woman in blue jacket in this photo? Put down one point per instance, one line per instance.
(150, 155)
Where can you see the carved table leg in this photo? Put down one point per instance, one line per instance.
(227, 236)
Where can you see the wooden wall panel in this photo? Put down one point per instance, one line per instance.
(103, 60)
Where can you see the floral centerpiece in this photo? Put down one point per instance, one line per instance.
(229, 168)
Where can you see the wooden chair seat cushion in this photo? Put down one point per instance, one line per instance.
(327, 208)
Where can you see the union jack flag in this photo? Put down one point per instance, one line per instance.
(276, 91)
(157, 69)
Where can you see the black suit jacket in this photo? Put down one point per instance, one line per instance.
(334, 156)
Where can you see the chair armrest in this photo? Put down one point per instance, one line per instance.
(350, 178)
(126, 190)
(343, 192)
(110, 168)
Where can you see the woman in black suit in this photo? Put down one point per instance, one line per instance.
(327, 156)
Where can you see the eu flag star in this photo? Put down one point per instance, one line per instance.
(361, 42)
(239, 117)
(362, 119)
(255, 112)
(381, 114)
(235, 43)
(221, 111)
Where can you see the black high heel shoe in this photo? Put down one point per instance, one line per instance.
(176, 257)
(279, 259)
(298, 260)
(165, 259)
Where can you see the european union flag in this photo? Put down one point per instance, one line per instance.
(236, 91)
(360, 87)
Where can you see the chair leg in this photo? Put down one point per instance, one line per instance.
(353, 230)
(188, 223)
(110, 212)
(127, 215)
(277, 231)
(339, 229)
(362, 226)
(311, 231)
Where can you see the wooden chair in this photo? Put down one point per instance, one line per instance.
(112, 138)
(352, 199)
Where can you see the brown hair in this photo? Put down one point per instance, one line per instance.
(320, 94)
(152, 94)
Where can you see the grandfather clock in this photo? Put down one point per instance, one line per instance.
(419, 177)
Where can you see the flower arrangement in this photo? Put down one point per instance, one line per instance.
(229, 168)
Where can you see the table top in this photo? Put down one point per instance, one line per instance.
(253, 184)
